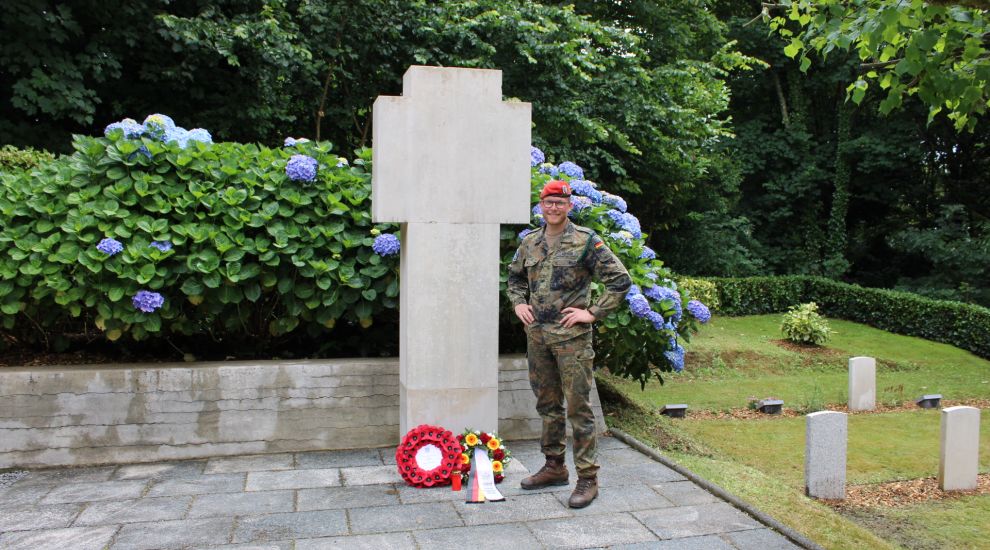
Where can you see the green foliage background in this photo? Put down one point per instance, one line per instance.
(744, 149)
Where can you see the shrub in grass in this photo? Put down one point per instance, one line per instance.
(804, 325)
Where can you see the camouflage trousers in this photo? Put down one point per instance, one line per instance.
(562, 372)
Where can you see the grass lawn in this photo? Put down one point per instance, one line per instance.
(762, 460)
(734, 358)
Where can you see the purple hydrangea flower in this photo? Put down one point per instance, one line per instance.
(580, 203)
(622, 237)
(631, 224)
(524, 232)
(675, 356)
(158, 125)
(110, 246)
(342, 162)
(615, 201)
(661, 293)
(129, 126)
(301, 168)
(651, 276)
(536, 157)
(148, 301)
(638, 305)
(699, 311)
(164, 246)
(633, 290)
(537, 211)
(547, 168)
(585, 188)
(571, 169)
(292, 142)
(653, 293)
(111, 127)
(656, 319)
(179, 135)
(386, 244)
(143, 150)
(615, 216)
(648, 254)
(200, 135)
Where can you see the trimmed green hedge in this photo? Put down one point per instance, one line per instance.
(966, 326)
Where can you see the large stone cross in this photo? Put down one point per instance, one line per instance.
(450, 163)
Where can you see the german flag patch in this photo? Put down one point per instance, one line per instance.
(599, 244)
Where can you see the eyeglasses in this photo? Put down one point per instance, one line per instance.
(559, 205)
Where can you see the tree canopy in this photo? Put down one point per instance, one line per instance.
(937, 51)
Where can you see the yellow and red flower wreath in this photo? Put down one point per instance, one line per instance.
(497, 453)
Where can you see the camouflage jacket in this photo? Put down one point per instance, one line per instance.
(553, 279)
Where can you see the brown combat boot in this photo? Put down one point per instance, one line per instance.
(584, 493)
(554, 472)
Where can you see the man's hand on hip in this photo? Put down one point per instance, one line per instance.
(525, 314)
(573, 316)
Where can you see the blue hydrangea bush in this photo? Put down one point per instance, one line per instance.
(153, 230)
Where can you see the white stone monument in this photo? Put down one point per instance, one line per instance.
(451, 161)
(825, 455)
(862, 383)
(959, 456)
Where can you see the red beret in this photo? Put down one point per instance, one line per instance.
(556, 187)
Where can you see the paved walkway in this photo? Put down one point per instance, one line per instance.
(355, 499)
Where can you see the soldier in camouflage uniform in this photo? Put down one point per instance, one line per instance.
(549, 287)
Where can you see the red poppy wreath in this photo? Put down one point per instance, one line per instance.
(428, 456)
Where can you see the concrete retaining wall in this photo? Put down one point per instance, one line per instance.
(101, 414)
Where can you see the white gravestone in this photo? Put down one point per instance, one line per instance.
(959, 457)
(862, 384)
(825, 455)
(450, 163)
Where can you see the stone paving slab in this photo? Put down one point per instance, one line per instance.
(76, 538)
(383, 541)
(707, 542)
(161, 470)
(591, 531)
(292, 525)
(236, 504)
(199, 485)
(759, 539)
(684, 493)
(134, 511)
(691, 521)
(293, 479)
(38, 517)
(250, 463)
(514, 535)
(370, 475)
(174, 534)
(404, 517)
(355, 499)
(521, 508)
(93, 490)
(341, 459)
(330, 498)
